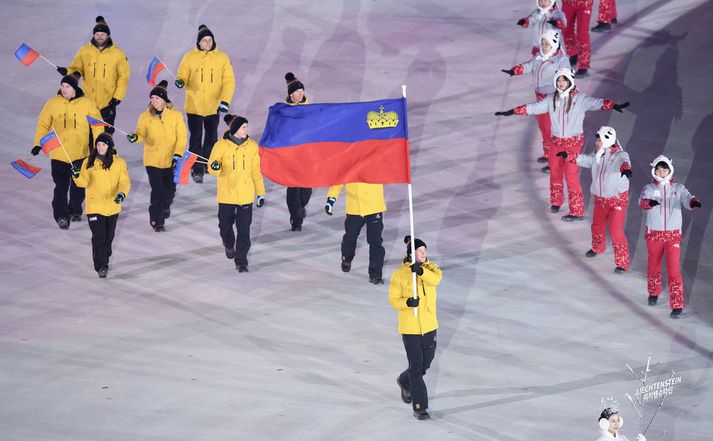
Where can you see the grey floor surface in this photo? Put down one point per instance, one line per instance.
(176, 345)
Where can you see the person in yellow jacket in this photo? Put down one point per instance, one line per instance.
(365, 205)
(236, 164)
(106, 179)
(417, 332)
(163, 132)
(66, 113)
(105, 70)
(207, 75)
(297, 197)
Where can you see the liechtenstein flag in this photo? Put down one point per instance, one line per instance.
(155, 67)
(183, 168)
(49, 142)
(97, 122)
(318, 145)
(26, 54)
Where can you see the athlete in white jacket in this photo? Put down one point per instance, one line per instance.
(545, 16)
(662, 200)
(610, 423)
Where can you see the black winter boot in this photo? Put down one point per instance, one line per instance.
(570, 218)
(601, 27)
(590, 253)
(676, 313)
(346, 264)
(653, 300)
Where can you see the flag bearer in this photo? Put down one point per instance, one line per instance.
(297, 197)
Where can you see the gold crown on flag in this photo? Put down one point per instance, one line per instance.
(381, 120)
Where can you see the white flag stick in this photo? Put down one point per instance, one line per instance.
(166, 68)
(62, 145)
(48, 61)
(413, 236)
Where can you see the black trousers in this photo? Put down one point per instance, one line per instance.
(163, 189)
(241, 216)
(63, 184)
(108, 114)
(297, 199)
(103, 228)
(199, 144)
(420, 350)
(374, 228)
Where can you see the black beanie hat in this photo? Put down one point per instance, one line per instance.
(203, 31)
(160, 91)
(234, 122)
(101, 26)
(418, 244)
(106, 139)
(293, 83)
(71, 80)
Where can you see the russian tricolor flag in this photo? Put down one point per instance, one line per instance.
(97, 122)
(183, 168)
(26, 54)
(319, 145)
(28, 170)
(155, 67)
(49, 142)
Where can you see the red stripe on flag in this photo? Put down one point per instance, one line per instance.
(186, 169)
(330, 163)
(51, 144)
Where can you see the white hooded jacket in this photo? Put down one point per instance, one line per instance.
(607, 181)
(670, 195)
(538, 20)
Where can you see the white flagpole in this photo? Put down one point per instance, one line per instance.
(413, 237)
(62, 145)
(48, 61)
(166, 68)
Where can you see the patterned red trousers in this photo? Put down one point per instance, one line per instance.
(658, 245)
(566, 169)
(543, 122)
(578, 15)
(611, 212)
(607, 11)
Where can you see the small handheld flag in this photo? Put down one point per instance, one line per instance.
(183, 168)
(155, 67)
(49, 142)
(29, 171)
(26, 54)
(97, 122)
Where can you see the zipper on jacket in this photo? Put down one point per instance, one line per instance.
(95, 70)
(104, 73)
(75, 120)
(65, 119)
(211, 74)
(201, 74)
(665, 211)
(233, 162)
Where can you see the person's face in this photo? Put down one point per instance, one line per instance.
(614, 424)
(297, 95)
(545, 46)
(157, 102)
(562, 83)
(599, 143)
(67, 91)
(662, 172)
(102, 148)
(242, 131)
(421, 254)
(101, 38)
(206, 43)
(544, 3)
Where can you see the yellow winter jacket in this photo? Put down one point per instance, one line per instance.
(103, 185)
(69, 120)
(362, 199)
(105, 73)
(209, 80)
(401, 288)
(162, 136)
(239, 177)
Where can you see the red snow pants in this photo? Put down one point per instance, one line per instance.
(658, 245)
(566, 168)
(578, 14)
(543, 122)
(611, 212)
(607, 11)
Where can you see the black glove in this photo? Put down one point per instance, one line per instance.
(695, 203)
(132, 137)
(618, 107)
(180, 84)
(416, 268)
(510, 72)
(329, 206)
(62, 70)
(553, 22)
(627, 173)
(75, 172)
(562, 154)
(653, 203)
(175, 160)
(411, 302)
(215, 165)
(223, 107)
(505, 113)
(522, 22)
(260, 201)
(114, 102)
(35, 150)
(119, 198)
